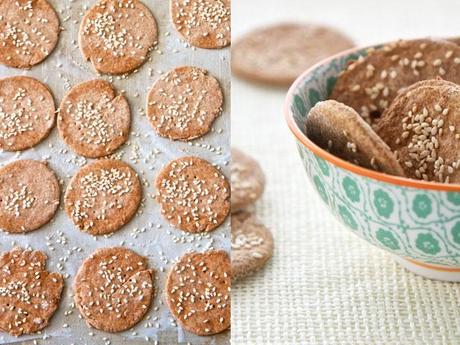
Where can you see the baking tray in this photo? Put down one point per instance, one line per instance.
(148, 233)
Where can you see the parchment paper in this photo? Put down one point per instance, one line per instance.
(148, 234)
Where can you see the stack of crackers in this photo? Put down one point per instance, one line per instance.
(252, 242)
(395, 111)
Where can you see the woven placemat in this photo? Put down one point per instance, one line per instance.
(324, 285)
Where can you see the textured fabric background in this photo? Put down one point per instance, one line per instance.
(324, 285)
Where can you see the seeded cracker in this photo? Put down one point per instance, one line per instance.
(29, 196)
(203, 23)
(117, 35)
(278, 54)
(340, 130)
(455, 40)
(248, 180)
(423, 127)
(198, 292)
(103, 196)
(27, 113)
(29, 295)
(29, 31)
(252, 245)
(371, 83)
(114, 289)
(194, 195)
(93, 120)
(183, 103)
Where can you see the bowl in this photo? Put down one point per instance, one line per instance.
(417, 222)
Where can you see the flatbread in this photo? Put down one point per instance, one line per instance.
(194, 195)
(29, 294)
(117, 35)
(29, 32)
(198, 292)
(203, 23)
(422, 126)
(29, 196)
(248, 180)
(252, 245)
(183, 103)
(27, 113)
(340, 130)
(278, 54)
(370, 84)
(93, 120)
(103, 196)
(114, 289)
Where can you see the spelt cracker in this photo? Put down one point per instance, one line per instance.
(339, 129)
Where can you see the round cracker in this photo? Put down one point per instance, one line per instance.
(30, 295)
(371, 83)
(278, 54)
(114, 289)
(203, 23)
(27, 113)
(183, 103)
(339, 129)
(455, 40)
(252, 245)
(103, 196)
(248, 180)
(117, 35)
(29, 32)
(29, 196)
(93, 120)
(198, 292)
(423, 128)
(193, 194)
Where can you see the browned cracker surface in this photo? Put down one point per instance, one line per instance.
(203, 23)
(103, 196)
(278, 54)
(29, 195)
(29, 294)
(93, 120)
(248, 180)
(252, 244)
(423, 127)
(29, 31)
(114, 289)
(371, 83)
(183, 103)
(117, 35)
(339, 129)
(27, 113)
(198, 292)
(194, 195)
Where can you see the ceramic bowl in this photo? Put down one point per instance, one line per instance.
(416, 221)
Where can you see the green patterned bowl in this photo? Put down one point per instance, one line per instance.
(416, 221)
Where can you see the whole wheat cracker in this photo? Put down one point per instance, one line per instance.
(103, 196)
(30, 295)
(93, 120)
(29, 32)
(114, 289)
(369, 84)
(117, 35)
(198, 291)
(340, 130)
(27, 113)
(29, 196)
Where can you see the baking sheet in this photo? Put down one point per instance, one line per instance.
(148, 234)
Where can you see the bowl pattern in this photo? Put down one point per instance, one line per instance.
(416, 223)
